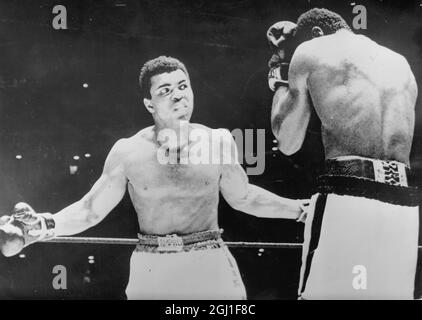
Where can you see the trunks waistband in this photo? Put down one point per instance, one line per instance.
(383, 171)
(351, 186)
(177, 243)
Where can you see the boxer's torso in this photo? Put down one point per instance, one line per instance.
(364, 95)
(169, 198)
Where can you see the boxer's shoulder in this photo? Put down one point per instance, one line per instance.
(307, 54)
(211, 132)
(198, 126)
(144, 135)
(319, 46)
(128, 146)
(141, 138)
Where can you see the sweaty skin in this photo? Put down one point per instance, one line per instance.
(363, 93)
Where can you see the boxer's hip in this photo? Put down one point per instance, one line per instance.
(363, 218)
(387, 181)
(359, 248)
(201, 268)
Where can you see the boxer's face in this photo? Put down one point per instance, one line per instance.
(171, 98)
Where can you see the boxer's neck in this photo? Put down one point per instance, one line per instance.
(173, 137)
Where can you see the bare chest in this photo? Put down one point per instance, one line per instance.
(150, 179)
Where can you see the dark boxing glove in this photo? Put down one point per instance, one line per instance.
(281, 37)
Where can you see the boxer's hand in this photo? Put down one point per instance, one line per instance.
(35, 227)
(281, 37)
(304, 208)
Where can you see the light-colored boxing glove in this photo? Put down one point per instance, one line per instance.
(11, 237)
(35, 226)
(278, 76)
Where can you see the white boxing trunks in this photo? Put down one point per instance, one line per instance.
(194, 267)
(361, 233)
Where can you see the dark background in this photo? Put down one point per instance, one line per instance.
(48, 117)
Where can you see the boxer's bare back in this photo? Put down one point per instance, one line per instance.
(363, 93)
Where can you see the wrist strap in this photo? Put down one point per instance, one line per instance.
(284, 74)
(48, 225)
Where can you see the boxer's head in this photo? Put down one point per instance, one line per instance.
(318, 22)
(166, 91)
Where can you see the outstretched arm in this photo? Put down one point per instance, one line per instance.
(25, 226)
(105, 194)
(251, 199)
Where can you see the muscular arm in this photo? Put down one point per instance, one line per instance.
(105, 194)
(251, 199)
(291, 111)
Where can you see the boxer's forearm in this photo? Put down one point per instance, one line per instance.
(264, 204)
(277, 113)
(75, 218)
(104, 195)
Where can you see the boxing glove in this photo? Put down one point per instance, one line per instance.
(278, 76)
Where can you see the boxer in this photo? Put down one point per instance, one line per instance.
(180, 254)
(361, 232)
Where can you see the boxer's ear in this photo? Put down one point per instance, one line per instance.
(148, 105)
(317, 32)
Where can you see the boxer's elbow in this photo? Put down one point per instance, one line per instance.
(287, 146)
(234, 201)
(290, 143)
(237, 205)
(288, 149)
(276, 126)
(244, 204)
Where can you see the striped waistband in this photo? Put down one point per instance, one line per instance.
(382, 171)
(176, 243)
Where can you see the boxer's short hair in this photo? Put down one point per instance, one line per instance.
(329, 22)
(156, 66)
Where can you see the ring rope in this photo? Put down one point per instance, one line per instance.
(128, 241)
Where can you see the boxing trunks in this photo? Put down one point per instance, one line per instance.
(195, 266)
(361, 232)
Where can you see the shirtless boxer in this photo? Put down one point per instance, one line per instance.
(180, 254)
(361, 233)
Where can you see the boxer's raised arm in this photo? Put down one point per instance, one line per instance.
(251, 199)
(291, 110)
(105, 194)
